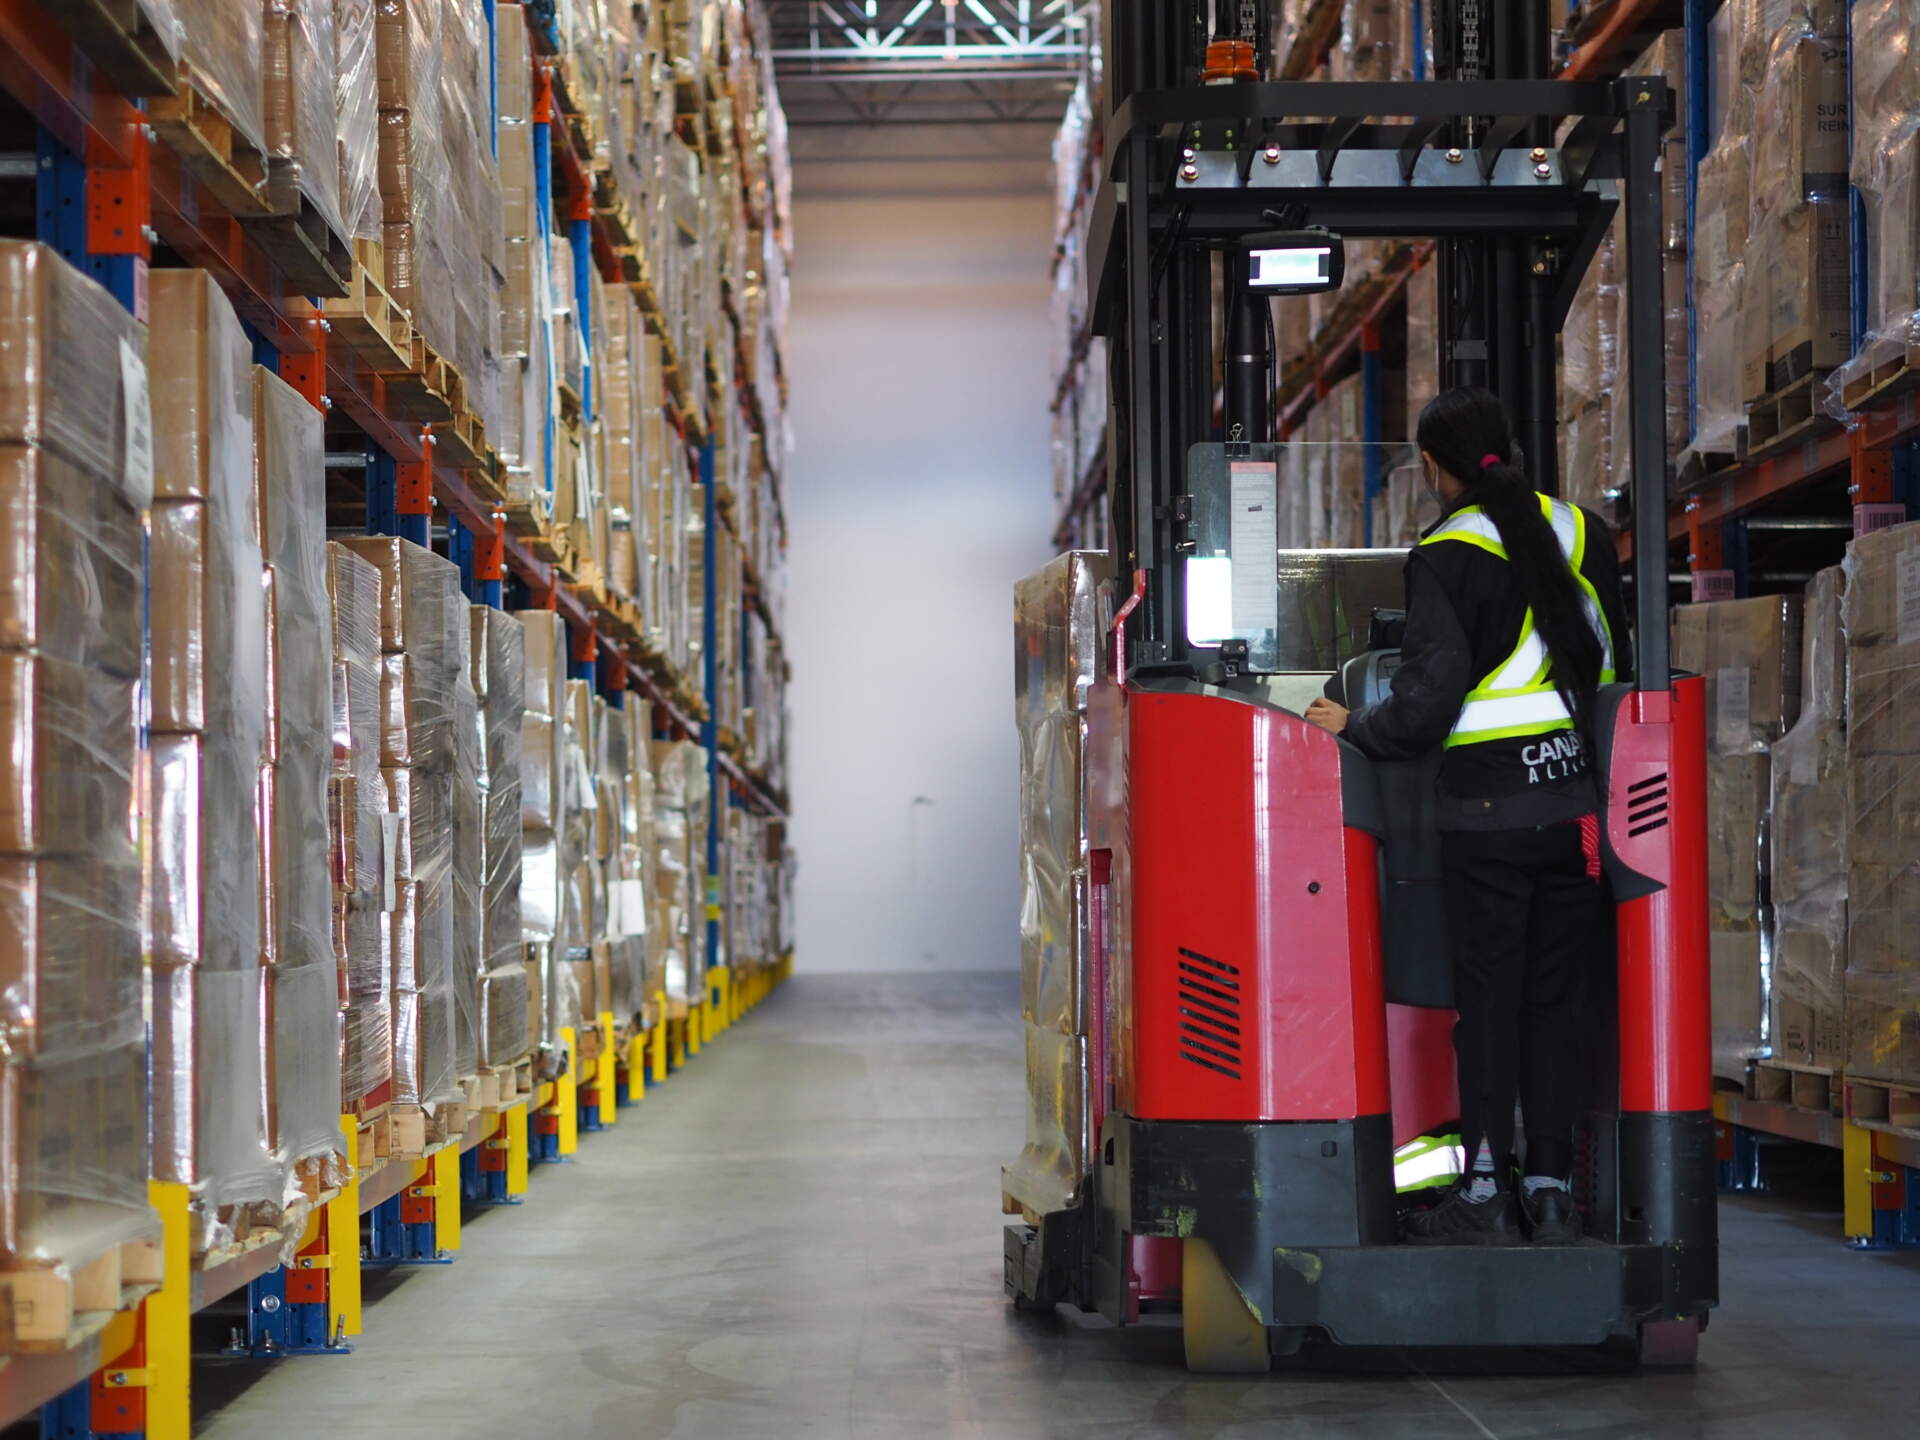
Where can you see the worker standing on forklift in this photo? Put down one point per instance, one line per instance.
(1513, 622)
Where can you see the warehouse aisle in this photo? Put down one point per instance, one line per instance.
(798, 1238)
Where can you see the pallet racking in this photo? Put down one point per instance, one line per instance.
(123, 168)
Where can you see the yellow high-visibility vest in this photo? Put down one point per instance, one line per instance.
(1518, 697)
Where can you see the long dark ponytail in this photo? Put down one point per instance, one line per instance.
(1461, 429)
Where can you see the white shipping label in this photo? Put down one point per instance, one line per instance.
(1253, 543)
(1907, 594)
(139, 421)
(389, 861)
(630, 896)
(1733, 708)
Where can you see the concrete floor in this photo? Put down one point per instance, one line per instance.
(799, 1237)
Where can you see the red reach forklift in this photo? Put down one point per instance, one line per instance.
(1247, 930)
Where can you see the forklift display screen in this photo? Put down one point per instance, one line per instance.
(1293, 272)
(1281, 556)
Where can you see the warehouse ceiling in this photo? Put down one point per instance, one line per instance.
(883, 64)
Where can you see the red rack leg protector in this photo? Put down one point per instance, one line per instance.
(120, 203)
(1657, 823)
(586, 644)
(490, 551)
(413, 487)
(1255, 990)
(613, 673)
(416, 1208)
(309, 1287)
(121, 1409)
(308, 373)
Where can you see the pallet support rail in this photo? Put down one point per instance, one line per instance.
(108, 190)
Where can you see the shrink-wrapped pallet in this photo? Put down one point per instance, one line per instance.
(72, 365)
(1882, 609)
(1750, 653)
(1808, 847)
(302, 986)
(73, 1072)
(299, 55)
(356, 118)
(220, 50)
(499, 660)
(1058, 629)
(1885, 157)
(356, 805)
(209, 721)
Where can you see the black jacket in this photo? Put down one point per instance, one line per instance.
(1463, 620)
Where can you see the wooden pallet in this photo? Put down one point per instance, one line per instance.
(1805, 1087)
(208, 144)
(464, 438)
(1895, 372)
(119, 39)
(429, 390)
(418, 1131)
(315, 258)
(368, 320)
(1786, 417)
(500, 1087)
(1883, 1104)
(55, 1308)
(373, 1138)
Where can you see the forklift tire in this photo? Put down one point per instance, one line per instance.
(1670, 1344)
(1222, 1334)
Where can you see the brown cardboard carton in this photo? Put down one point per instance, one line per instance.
(417, 588)
(70, 953)
(66, 757)
(71, 359)
(207, 614)
(71, 572)
(202, 376)
(1809, 259)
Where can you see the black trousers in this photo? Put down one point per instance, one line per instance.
(1524, 919)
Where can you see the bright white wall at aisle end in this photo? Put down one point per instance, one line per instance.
(918, 492)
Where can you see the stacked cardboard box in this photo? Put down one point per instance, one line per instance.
(423, 662)
(1883, 811)
(363, 885)
(1798, 254)
(1885, 161)
(300, 50)
(679, 812)
(1808, 846)
(72, 485)
(1056, 621)
(208, 641)
(302, 987)
(498, 659)
(1750, 653)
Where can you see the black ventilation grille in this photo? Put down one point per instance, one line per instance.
(1209, 1000)
(1646, 805)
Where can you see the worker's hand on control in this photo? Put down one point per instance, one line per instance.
(1328, 716)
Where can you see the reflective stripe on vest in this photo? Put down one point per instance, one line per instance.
(1427, 1161)
(1518, 697)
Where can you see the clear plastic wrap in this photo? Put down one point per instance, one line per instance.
(498, 646)
(413, 164)
(1058, 613)
(208, 648)
(220, 48)
(357, 803)
(70, 563)
(356, 117)
(1882, 608)
(1719, 287)
(303, 1072)
(468, 825)
(298, 62)
(63, 339)
(1750, 653)
(1885, 159)
(1809, 847)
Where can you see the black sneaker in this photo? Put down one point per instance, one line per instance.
(1457, 1220)
(1550, 1217)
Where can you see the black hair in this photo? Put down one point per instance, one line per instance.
(1467, 432)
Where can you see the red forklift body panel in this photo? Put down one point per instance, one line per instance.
(1255, 989)
(1657, 823)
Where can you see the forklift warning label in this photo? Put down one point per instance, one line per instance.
(1253, 543)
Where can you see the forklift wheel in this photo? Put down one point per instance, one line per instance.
(1223, 1336)
(1670, 1344)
